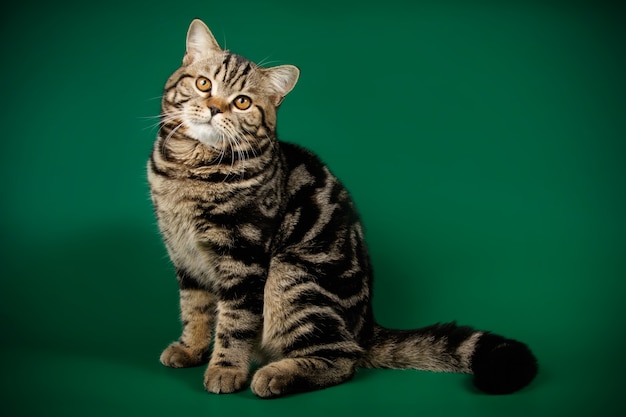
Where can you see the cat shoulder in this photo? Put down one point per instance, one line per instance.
(296, 155)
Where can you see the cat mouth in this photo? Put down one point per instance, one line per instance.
(206, 133)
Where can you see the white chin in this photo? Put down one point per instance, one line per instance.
(206, 134)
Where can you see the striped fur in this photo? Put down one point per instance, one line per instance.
(269, 250)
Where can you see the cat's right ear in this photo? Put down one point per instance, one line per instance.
(200, 42)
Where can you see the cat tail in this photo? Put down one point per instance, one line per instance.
(499, 365)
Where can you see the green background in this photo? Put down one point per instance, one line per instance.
(484, 143)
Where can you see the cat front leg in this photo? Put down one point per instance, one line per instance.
(197, 308)
(235, 336)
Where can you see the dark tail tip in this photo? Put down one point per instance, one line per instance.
(502, 366)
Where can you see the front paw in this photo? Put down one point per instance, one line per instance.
(223, 380)
(178, 356)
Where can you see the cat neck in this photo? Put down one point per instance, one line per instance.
(193, 158)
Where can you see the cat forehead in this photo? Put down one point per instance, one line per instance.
(229, 70)
(225, 63)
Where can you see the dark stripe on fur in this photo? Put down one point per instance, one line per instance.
(326, 331)
(332, 355)
(264, 119)
(239, 61)
(453, 335)
(241, 75)
(225, 64)
(156, 169)
(187, 282)
(173, 84)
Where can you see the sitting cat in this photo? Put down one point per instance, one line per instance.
(269, 250)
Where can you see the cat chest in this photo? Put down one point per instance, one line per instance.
(199, 231)
(187, 231)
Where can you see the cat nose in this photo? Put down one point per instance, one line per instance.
(214, 110)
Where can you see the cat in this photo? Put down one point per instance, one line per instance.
(269, 250)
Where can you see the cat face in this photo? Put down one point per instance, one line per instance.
(221, 99)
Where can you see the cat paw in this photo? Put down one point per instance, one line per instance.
(220, 380)
(178, 356)
(270, 382)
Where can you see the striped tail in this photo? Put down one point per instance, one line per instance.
(499, 365)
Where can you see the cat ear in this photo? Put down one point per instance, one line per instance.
(200, 42)
(281, 81)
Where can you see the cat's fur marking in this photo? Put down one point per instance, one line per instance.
(269, 250)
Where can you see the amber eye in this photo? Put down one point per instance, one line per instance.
(203, 84)
(242, 102)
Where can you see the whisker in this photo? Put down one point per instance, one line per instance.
(232, 152)
(244, 156)
(241, 151)
(155, 98)
(266, 61)
(220, 156)
(159, 123)
(250, 144)
(166, 118)
(222, 149)
(169, 136)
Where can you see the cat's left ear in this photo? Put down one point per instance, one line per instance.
(281, 81)
(200, 42)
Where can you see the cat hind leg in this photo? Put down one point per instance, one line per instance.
(293, 375)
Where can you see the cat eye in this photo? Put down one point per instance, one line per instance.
(203, 84)
(242, 102)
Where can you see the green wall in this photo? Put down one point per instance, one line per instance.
(484, 143)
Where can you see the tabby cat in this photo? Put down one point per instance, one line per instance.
(269, 250)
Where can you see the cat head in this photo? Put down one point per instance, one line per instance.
(220, 98)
